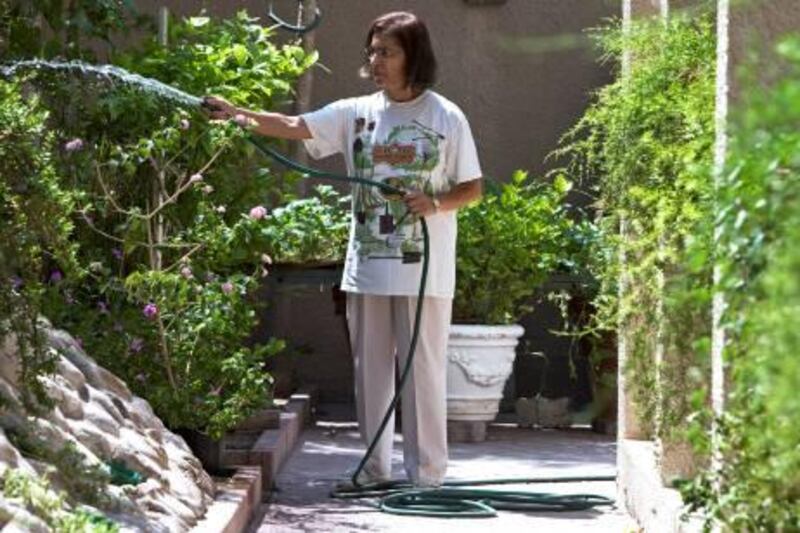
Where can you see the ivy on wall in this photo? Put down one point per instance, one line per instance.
(645, 147)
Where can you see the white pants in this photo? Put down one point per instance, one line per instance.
(380, 331)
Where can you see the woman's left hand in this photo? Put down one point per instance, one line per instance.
(419, 203)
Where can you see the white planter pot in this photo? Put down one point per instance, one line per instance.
(479, 361)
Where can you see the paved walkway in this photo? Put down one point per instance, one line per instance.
(330, 449)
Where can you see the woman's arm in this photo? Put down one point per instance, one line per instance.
(265, 123)
(462, 194)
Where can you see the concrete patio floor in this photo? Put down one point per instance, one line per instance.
(332, 447)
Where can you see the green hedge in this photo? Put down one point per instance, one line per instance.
(758, 486)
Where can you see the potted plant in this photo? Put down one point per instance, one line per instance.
(306, 240)
(508, 246)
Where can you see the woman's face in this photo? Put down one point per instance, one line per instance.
(387, 63)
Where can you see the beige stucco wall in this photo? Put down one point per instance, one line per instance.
(522, 71)
(755, 27)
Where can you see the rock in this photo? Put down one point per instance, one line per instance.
(70, 373)
(21, 521)
(100, 443)
(112, 383)
(96, 412)
(9, 362)
(142, 414)
(96, 415)
(120, 405)
(554, 413)
(104, 400)
(11, 458)
(66, 399)
(186, 490)
(94, 374)
(10, 395)
(140, 444)
(186, 514)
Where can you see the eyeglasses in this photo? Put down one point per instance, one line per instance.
(380, 51)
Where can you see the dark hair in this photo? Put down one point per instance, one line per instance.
(412, 34)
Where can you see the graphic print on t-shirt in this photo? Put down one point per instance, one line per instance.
(405, 159)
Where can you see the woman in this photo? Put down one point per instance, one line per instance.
(419, 141)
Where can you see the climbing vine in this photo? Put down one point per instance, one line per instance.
(644, 148)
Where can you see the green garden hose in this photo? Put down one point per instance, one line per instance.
(446, 502)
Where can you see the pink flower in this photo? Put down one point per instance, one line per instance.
(186, 272)
(74, 145)
(56, 276)
(117, 253)
(141, 378)
(150, 310)
(258, 212)
(136, 345)
(227, 287)
(184, 124)
(102, 307)
(195, 178)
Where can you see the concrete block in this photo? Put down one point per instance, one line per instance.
(235, 503)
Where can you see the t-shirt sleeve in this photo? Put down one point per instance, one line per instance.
(464, 163)
(328, 129)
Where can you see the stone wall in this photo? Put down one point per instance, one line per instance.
(104, 421)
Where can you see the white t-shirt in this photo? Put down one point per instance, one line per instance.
(424, 144)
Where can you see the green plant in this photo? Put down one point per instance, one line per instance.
(169, 221)
(35, 229)
(238, 59)
(644, 147)
(309, 231)
(235, 58)
(36, 495)
(85, 483)
(508, 245)
(48, 28)
(757, 486)
(164, 302)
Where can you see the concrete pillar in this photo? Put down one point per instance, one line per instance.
(674, 458)
(629, 426)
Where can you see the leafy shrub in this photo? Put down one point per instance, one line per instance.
(35, 229)
(756, 488)
(509, 243)
(164, 304)
(235, 58)
(644, 146)
(52, 28)
(167, 221)
(309, 231)
(36, 495)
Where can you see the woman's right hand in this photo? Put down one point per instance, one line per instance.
(218, 108)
